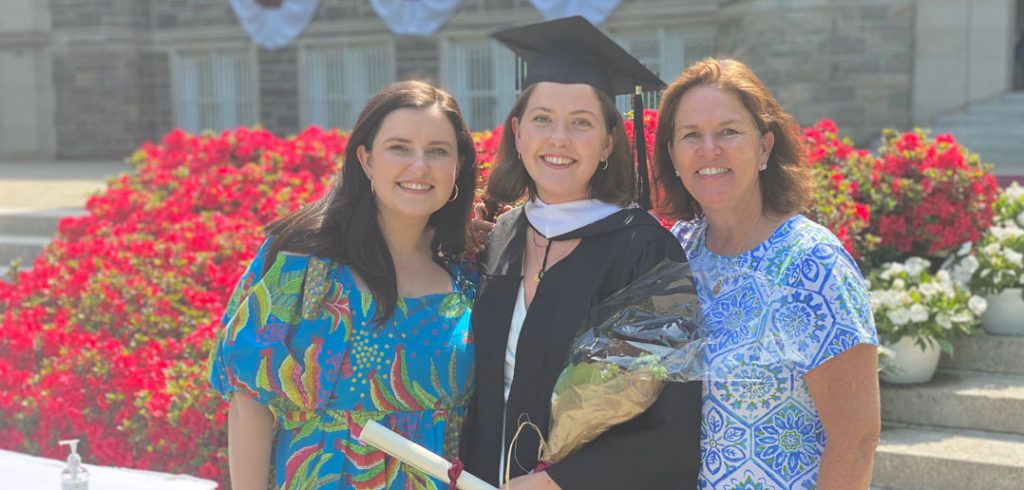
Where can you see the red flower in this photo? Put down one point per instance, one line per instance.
(128, 297)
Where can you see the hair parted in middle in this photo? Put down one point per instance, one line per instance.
(509, 180)
(787, 184)
(342, 225)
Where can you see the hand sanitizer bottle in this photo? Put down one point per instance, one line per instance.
(74, 477)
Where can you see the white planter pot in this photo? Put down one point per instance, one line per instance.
(909, 363)
(1005, 313)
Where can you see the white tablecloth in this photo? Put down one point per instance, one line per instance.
(23, 472)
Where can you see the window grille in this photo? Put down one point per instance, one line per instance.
(480, 73)
(215, 90)
(339, 80)
(666, 52)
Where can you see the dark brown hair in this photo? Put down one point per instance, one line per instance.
(342, 225)
(509, 180)
(786, 185)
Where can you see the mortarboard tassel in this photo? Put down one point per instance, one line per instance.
(640, 144)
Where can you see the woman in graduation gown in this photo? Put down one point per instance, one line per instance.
(575, 241)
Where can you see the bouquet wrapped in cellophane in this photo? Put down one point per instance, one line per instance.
(645, 335)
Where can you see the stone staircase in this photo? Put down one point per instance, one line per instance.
(964, 429)
(994, 130)
(24, 234)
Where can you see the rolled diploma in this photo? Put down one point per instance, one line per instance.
(417, 456)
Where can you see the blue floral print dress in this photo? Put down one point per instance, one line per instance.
(300, 340)
(760, 429)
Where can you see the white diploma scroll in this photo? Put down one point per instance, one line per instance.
(416, 456)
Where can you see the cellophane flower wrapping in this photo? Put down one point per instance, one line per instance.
(648, 334)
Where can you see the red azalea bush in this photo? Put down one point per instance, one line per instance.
(933, 195)
(841, 171)
(106, 338)
(920, 196)
(486, 144)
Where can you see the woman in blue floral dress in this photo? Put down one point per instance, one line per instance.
(357, 308)
(792, 341)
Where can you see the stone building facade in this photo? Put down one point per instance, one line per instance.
(92, 79)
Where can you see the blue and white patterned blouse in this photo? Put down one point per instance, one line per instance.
(761, 430)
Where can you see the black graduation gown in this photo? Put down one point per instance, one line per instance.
(659, 449)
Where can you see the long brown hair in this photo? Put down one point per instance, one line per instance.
(342, 225)
(786, 185)
(509, 180)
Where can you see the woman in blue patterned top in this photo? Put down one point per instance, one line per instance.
(731, 163)
(357, 308)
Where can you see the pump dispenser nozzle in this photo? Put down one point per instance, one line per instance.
(73, 477)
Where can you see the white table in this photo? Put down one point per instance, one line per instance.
(23, 472)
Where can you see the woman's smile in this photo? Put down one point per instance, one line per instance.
(557, 162)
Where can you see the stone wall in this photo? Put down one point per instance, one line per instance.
(112, 75)
(93, 14)
(98, 112)
(850, 61)
(97, 63)
(190, 14)
(279, 90)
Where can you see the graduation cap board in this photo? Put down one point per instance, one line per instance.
(572, 50)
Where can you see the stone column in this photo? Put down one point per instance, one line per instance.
(26, 90)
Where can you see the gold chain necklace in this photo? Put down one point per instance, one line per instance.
(730, 256)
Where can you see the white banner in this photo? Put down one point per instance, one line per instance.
(274, 27)
(596, 11)
(414, 17)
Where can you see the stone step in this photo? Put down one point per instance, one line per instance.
(982, 143)
(996, 109)
(938, 459)
(994, 126)
(983, 133)
(1006, 167)
(978, 120)
(988, 353)
(1014, 97)
(24, 247)
(33, 222)
(994, 137)
(960, 400)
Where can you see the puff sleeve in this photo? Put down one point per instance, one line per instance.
(258, 351)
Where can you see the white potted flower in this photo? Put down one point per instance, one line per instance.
(917, 313)
(995, 266)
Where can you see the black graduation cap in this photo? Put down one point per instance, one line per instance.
(572, 50)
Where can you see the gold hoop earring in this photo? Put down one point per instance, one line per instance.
(455, 195)
(605, 162)
(372, 191)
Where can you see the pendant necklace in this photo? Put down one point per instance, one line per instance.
(547, 250)
(731, 258)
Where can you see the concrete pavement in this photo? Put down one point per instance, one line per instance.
(38, 186)
(35, 195)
